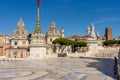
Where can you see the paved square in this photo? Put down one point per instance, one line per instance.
(58, 69)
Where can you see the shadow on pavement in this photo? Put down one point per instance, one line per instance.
(105, 65)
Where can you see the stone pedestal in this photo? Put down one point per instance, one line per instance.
(92, 47)
(37, 52)
(37, 47)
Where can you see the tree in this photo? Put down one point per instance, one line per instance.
(111, 42)
(80, 44)
(119, 42)
(62, 42)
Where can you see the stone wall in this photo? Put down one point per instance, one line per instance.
(108, 52)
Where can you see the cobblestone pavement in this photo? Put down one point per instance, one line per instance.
(58, 69)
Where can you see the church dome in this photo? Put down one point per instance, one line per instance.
(20, 31)
(52, 32)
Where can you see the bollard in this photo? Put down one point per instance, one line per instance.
(118, 72)
(115, 66)
(116, 69)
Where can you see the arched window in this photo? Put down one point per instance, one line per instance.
(21, 56)
(15, 43)
(15, 55)
(9, 55)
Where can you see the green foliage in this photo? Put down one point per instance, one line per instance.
(111, 42)
(80, 44)
(118, 41)
(63, 41)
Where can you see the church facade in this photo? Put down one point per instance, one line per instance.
(50, 36)
(17, 43)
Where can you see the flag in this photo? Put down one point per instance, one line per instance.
(38, 3)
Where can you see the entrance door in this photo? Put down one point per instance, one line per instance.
(9, 55)
(21, 56)
(15, 55)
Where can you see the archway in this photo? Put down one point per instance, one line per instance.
(9, 55)
(21, 56)
(15, 55)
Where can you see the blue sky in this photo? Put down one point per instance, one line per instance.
(74, 15)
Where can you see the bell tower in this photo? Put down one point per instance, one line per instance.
(62, 33)
(108, 33)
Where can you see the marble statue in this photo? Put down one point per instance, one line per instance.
(91, 32)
